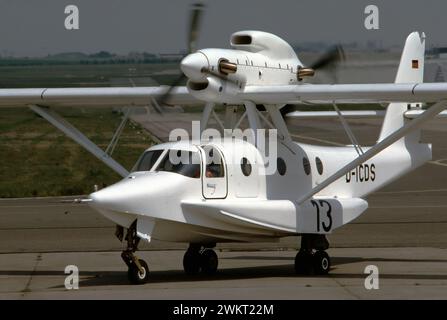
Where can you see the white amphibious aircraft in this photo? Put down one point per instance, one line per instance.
(222, 190)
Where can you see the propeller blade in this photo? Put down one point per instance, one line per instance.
(165, 97)
(194, 26)
(332, 56)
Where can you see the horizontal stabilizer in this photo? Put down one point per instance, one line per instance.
(362, 114)
(332, 114)
(412, 114)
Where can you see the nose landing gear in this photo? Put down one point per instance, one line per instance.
(138, 271)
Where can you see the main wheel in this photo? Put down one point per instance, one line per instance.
(303, 262)
(191, 262)
(209, 261)
(135, 275)
(322, 262)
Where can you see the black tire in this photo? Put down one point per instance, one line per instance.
(322, 262)
(209, 261)
(137, 277)
(304, 263)
(191, 262)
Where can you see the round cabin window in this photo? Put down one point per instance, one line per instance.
(245, 167)
(281, 166)
(319, 165)
(306, 165)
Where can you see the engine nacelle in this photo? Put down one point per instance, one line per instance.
(215, 90)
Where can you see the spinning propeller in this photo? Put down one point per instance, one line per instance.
(194, 26)
(193, 59)
(328, 60)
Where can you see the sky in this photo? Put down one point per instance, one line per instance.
(36, 28)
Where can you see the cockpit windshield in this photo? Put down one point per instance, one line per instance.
(147, 160)
(186, 163)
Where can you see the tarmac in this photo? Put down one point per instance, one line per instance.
(403, 233)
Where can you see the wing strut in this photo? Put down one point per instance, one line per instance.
(112, 145)
(392, 138)
(348, 131)
(80, 138)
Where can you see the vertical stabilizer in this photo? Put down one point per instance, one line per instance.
(411, 70)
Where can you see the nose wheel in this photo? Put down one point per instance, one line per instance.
(138, 270)
(198, 259)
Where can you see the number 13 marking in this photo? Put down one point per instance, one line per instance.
(321, 204)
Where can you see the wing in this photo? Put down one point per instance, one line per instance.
(346, 93)
(306, 93)
(100, 97)
(289, 94)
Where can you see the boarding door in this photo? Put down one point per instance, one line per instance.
(214, 176)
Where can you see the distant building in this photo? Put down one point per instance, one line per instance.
(171, 57)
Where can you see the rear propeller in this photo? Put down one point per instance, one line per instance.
(329, 60)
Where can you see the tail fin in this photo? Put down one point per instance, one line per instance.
(411, 70)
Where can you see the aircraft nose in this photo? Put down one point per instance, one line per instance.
(104, 198)
(118, 197)
(115, 203)
(193, 64)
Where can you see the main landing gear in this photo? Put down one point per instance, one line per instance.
(312, 257)
(138, 271)
(200, 259)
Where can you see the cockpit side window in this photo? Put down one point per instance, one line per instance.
(214, 163)
(147, 160)
(186, 163)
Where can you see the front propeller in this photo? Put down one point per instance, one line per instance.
(193, 34)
